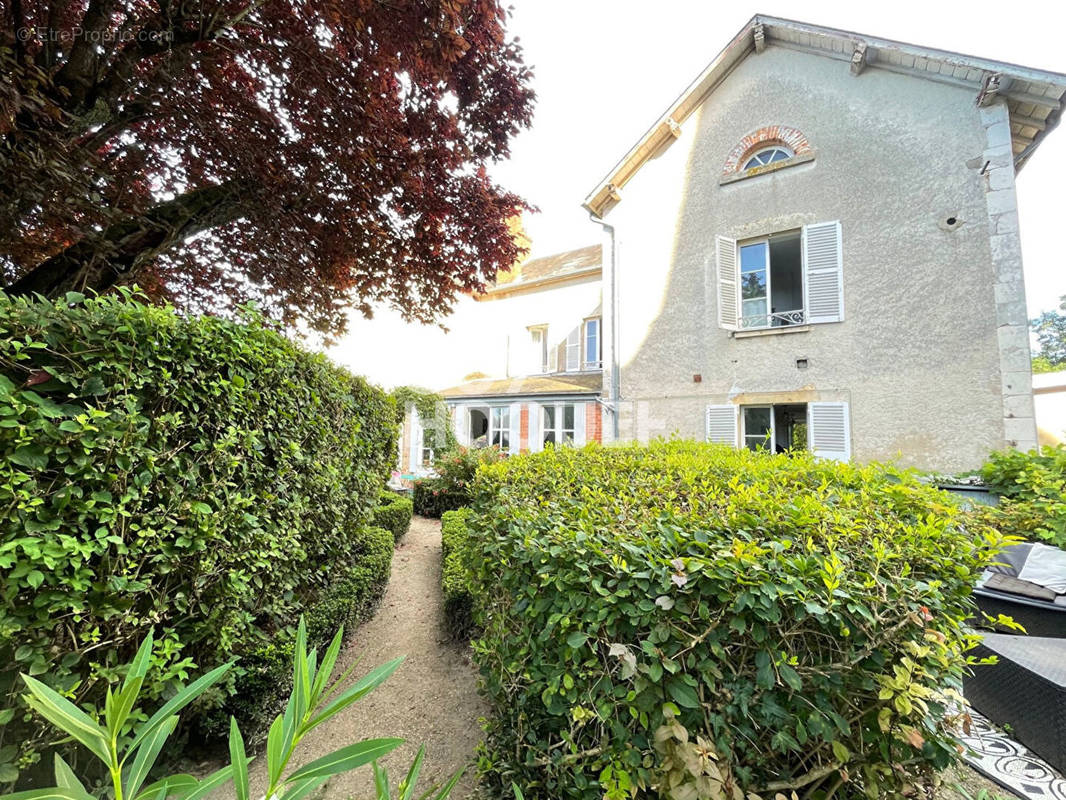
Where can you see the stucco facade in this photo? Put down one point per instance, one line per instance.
(930, 354)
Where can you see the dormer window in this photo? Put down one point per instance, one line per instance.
(768, 155)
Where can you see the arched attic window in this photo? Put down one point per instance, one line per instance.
(768, 148)
(768, 155)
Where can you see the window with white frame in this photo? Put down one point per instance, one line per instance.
(593, 355)
(573, 350)
(500, 427)
(768, 155)
(558, 424)
(824, 428)
(781, 280)
(538, 335)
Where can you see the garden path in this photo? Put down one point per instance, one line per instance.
(431, 699)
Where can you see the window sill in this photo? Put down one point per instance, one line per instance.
(751, 333)
(754, 172)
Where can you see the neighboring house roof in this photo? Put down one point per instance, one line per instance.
(573, 264)
(1034, 97)
(1049, 382)
(585, 383)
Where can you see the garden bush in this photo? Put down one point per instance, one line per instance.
(204, 478)
(455, 583)
(393, 513)
(450, 489)
(1032, 491)
(700, 622)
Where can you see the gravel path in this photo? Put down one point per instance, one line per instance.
(431, 699)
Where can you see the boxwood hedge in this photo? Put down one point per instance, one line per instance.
(698, 621)
(205, 478)
(393, 513)
(455, 581)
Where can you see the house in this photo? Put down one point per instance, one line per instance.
(1049, 395)
(816, 246)
(541, 362)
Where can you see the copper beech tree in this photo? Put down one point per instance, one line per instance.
(305, 154)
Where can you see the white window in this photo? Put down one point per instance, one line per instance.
(573, 350)
(500, 427)
(823, 428)
(768, 155)
(561, 424)
(538, 335)
(593, 351)
(557, 424)
(788, 278)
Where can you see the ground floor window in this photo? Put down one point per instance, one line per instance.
(558, 423)
(777, 428)
(500, 427)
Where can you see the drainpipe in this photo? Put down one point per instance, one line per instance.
(614, 391)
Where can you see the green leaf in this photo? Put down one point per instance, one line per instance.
(201, 508)
(147, 753)
(7, 715)
(238, 761)
(446, 789)
(360, 688)
(576, 639)
(682, 694)
(347, 758)
(185, 696)
(29, 456)
(407, 786)
(209, 784)
(303, 789)
(65, 777)
(764, 670)
(55, 793)
(790, 676)
(275, 750)
(68, 718)
(172, 785)
(325, 670)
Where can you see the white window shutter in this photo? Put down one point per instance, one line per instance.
(728, 283)
(516, 428)
(829, 429)
(579, 424)
(573, 350)
(461, 426)
(722, 424)
(823, 272)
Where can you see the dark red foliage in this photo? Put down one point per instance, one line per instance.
(305, 154)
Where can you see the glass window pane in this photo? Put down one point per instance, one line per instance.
(549, 417)
(753, 256)
(568, 417)
(778, 155)
(568, 437)
(505, 440)
(756, 420)
(753, 285)
(549, 437)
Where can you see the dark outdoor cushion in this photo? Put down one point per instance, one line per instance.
(1011, 585)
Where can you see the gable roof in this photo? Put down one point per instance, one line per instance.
(1034, 97)
(572, 264)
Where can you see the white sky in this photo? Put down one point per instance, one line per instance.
(606, 69)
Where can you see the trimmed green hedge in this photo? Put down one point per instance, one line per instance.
(200, 477)
(393, 513)
(700, 621)
(455, 582)
(352, 594)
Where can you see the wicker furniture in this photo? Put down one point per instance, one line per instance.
(1026, 690)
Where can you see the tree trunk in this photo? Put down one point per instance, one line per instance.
(114, 256)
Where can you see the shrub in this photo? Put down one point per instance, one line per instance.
(455, 475)
(455, 583)
(201, 477)
(350, 597)
(1032, 490)
(128, 744)
(701, 621)
(393, 513)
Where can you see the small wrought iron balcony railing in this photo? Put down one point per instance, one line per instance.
(775, 319)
